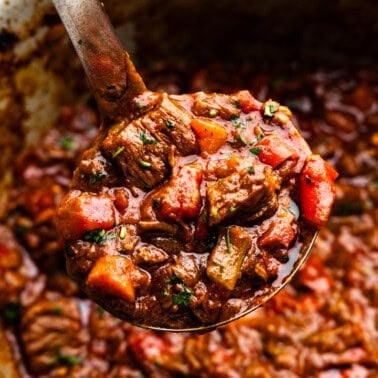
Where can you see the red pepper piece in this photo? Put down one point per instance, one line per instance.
(247, 102)
(274, 150)
(317, 190)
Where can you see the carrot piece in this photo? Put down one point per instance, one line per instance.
(112, 275)
(317, 190)
(211, 136)
(82, 212)
(247, 102)
(273, 150)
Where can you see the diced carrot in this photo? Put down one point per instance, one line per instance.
(247, 102)
(274, 150)
(317, 190)
(80, 212)
(211, 136)
(181, 197)
(112, 275)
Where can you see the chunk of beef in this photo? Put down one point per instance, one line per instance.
(143, 149)
(243, 191)
(52, 335)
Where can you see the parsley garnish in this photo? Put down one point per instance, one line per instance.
(205, 217)
(98, 236)
(270, 108)
(232, 209)
(66, 143)
(250, 169)
(255, 150)
(139, 105)
(213, 112)
(175, 279)
(12, 311)
(170, 124)
(259, 137)
(119, 150)
(156, 202)
(144, 164)
(236, 122)
(97, 177)
(183, 297)
(242, 139)
(237, 104)
(145, 140)
(67, 359)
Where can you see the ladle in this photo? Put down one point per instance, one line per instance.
(115, 82)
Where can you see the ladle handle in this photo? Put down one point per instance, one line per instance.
(109, 69)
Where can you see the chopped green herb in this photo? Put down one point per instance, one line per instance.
(255, 150)
(144, 164)
(118, 151)
(156, 202)
(259, 137)
(170, 124)
(213, 112)
(242, 139)
(270, 108)
(66, 143)
(122, 232)
(100, 311)
(228, 242)
(213, 212)
(146, 140)
(97, 177)
(183, 297)
(165, 292)
(237, 104)
(68, 359)
(236, 122)
(205, 217)
(232, 209)
(175, 279)
(139, 105)
(58, 310)
(250, 169)
(11, 311)
(97, 236)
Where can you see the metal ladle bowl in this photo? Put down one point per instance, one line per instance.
(115, 82)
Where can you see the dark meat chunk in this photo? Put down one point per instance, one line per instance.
(149, 254)
(16, 270)
(243, 191)
(144, 148)
(213, 105)
(52, 335)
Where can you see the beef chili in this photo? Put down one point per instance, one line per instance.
(191, 212)
(322, 325)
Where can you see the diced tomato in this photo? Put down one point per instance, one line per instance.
(317, 190)
(211, 136)
(84, 212)
(247, 102)
(274, 150)
(112, 275)
(181, 197)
